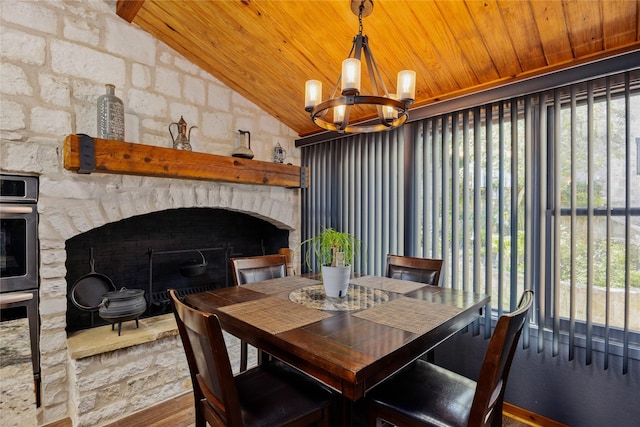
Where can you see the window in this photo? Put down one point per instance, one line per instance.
(593, 214)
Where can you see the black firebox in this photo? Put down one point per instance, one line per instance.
(163, 250)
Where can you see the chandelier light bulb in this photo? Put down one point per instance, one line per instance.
(312, 94)
(350, 76)
(406, 85)
(389, 112)
(338, 114)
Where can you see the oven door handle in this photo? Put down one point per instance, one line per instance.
(15, 209)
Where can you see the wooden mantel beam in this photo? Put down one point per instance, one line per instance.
(128, 9)
(84, 154)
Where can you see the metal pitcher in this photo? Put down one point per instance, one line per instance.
(183, 140)
(279, 154)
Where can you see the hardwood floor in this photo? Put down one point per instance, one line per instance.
(178, 412)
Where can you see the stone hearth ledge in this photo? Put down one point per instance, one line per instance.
(94, 341)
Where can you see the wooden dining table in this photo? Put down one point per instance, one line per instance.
(350, 343)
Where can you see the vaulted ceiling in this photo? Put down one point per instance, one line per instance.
(267, 49)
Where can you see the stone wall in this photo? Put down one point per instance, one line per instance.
(56, 57)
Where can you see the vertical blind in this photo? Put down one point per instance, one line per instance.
(540, 191)
(357, 186)
(471, 181)
(593, 213)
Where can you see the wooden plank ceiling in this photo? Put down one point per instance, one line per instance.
(267, 49)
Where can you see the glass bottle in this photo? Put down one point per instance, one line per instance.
(110, 115)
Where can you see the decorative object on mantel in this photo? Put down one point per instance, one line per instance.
(242, 151)
(84, 154)
(182, 141)
(279, 154)
(110, 115)
(392, 109)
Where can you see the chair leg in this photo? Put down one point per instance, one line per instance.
(373, 415)
(244, 349)
(200, 419)
(263, 357)
(326, 418)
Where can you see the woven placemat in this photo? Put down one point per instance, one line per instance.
(273, 314)
(281, 284)
(409, 314)
(387, 284)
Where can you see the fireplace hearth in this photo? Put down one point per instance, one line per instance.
(147, 252)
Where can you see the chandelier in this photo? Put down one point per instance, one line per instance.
(392, 108)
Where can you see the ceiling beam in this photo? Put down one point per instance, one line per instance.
(128, 9)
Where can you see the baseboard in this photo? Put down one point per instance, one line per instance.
(528, 417)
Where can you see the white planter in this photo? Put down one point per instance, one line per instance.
(336, 280)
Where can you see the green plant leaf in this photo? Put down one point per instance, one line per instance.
(329, 241)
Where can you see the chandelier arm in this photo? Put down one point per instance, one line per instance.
(377, 72)
(372, 69)
(345, 119)
(335, 88)
(359, 42)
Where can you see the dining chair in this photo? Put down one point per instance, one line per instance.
(424, 394)
(255, 269)
(271, 394)
(423, 270)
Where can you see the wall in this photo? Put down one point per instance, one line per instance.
(566, 391)
(56, 57)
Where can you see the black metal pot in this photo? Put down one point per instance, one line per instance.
(193, 268)
(120, 306)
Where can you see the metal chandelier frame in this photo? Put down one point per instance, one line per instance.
(352, 97)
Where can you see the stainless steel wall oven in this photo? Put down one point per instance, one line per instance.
(18, 233)
(19, 259)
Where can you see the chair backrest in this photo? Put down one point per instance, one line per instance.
(423, 270)
(486, 408)
(214, 386)
(257, 268)
(288, 258)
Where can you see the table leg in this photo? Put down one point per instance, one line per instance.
(352, 414)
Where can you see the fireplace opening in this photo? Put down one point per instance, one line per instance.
(147, 252)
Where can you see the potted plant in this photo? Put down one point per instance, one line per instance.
(334, 252)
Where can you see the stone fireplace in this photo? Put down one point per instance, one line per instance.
(131, 374)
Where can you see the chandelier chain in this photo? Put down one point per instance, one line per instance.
(360, 10)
